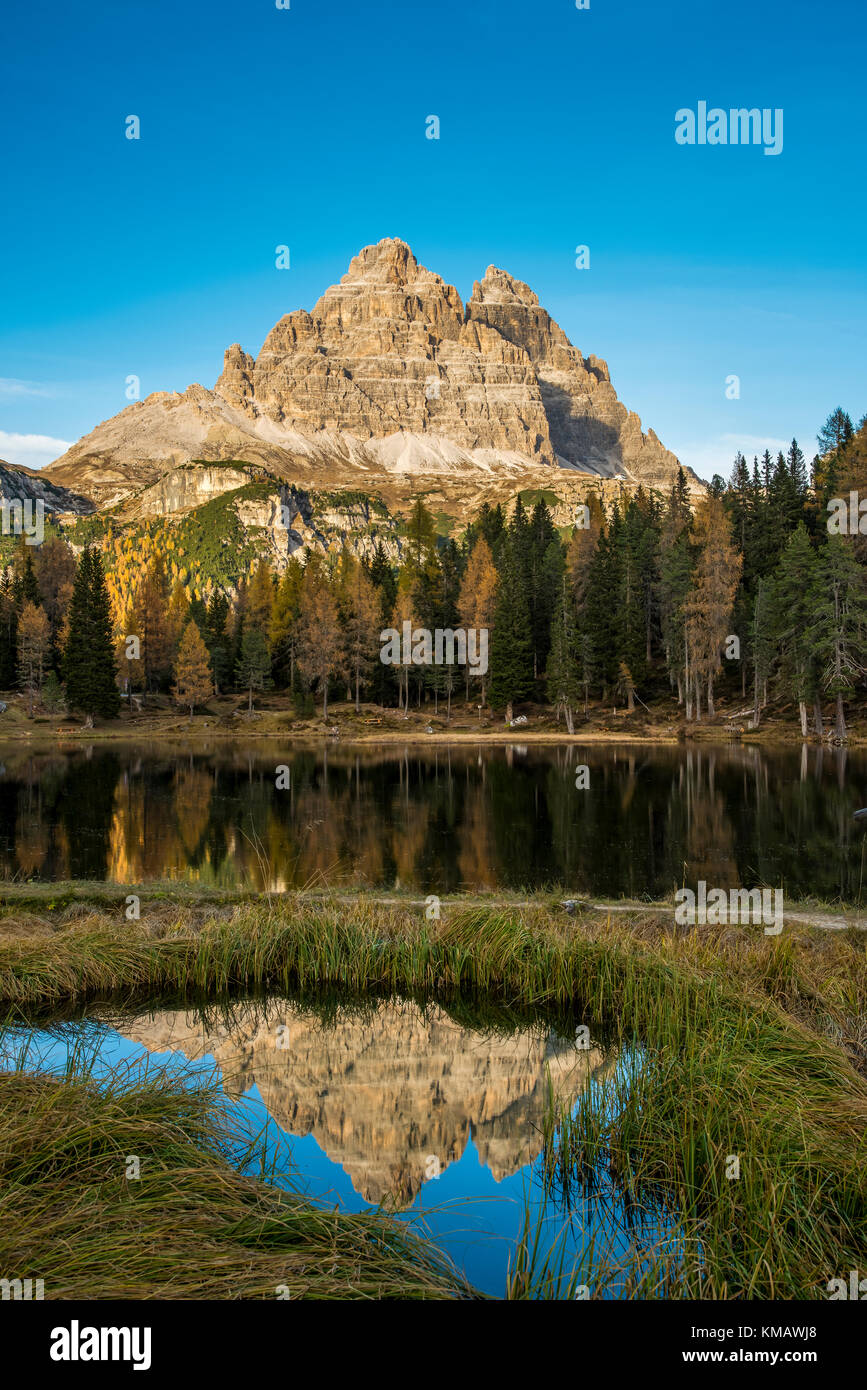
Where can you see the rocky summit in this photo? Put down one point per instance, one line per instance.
(390, 379)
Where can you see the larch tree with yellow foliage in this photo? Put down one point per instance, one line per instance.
(193, 683)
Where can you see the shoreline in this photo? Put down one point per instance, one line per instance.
(716, 737)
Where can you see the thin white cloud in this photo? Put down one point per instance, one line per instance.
(718, 455)
(12, 386)
(33, 450)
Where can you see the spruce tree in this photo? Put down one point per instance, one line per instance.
(837, 633)
(835, 433)
(88, 661)
(563, 675)
(794, 582)
(511, 648)
(253, 670)
(217, 639)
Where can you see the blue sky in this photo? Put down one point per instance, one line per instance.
(306, 127)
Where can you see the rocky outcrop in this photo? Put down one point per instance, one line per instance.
(393, 1096)
(390, 375)
(21, 484)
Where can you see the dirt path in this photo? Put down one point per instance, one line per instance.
(826, 921)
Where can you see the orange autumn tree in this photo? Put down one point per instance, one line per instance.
(709, 605)
(320, 653)
(478, 596)
(34, 641)
(360, 609)
(193, 682)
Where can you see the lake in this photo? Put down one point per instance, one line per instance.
(437, 818)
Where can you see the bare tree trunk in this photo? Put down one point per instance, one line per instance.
(840, 724)
(325, 698)
(711, 708)
(802, 710)
(687, 676)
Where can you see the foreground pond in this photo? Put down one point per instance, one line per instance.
(437, 819)
(385, 1105)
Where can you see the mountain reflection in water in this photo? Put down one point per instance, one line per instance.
(383, 1104)
(393, 1095)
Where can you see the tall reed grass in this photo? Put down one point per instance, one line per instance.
(751, 1048)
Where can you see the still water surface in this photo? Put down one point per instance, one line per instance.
(388, 1104)
(439, 818)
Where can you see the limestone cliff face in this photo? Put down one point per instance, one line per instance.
(393, 1098)
(390, 374)
(588, 425)
(388, 351)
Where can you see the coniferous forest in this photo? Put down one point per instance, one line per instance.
(754, 591)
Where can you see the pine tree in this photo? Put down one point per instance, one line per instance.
(29, 590)
(599, 616)
(384, 580)
(835, 433)
(217, 639)
(283, 631)
(582, 546)
(544, 574)
(794, 582)
(563, 683)
(762, 646)
(511, 649)
(837, 633)
(675, 577)
(253, 670)
(88, 658)
(421, 534)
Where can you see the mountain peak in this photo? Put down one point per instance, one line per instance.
(499, 287)
(389, 367)
(386, 262)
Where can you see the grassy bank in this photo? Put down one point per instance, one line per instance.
(750, 1046)
(46, 906)
(190, 1226)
